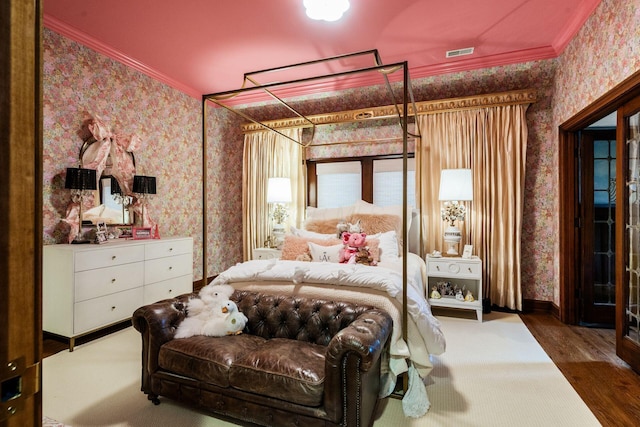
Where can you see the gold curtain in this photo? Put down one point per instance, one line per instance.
(492, 142)
(268, 154)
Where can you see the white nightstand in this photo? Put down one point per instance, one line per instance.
(266, 253)
(462, 272)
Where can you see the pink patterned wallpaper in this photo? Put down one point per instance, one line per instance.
(78, 79)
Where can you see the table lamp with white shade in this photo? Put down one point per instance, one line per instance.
(456, 185)
(279, 195)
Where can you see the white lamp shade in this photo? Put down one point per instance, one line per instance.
(279, 190)
(456, 185)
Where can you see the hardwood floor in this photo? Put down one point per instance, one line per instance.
(585, 356)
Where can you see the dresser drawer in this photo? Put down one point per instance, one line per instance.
(108, 257)
(99, 312)
(451, 268)
(168, 248)
(168, 289)
(160, 269)
(105, 281)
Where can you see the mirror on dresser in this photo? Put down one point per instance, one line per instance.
(113, 197)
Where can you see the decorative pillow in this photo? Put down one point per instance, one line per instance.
(320, 253)
(329, 213)
(294, 245)
(322, 226)
(373, 224)
(311, 234)
(387, 247)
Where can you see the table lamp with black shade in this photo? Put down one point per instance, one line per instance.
(144, 187)
(80, 181)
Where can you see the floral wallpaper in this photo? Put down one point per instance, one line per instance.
(78, 79)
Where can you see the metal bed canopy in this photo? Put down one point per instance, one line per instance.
(384, 69)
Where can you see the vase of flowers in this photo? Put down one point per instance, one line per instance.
(453, 211)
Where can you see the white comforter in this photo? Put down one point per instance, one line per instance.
(379, 285)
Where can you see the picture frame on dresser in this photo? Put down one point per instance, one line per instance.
(468, 250)
(140, 233)
(101, 233)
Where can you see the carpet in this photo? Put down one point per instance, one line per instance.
(493, 373)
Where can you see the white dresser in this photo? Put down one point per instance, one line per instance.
(89, 287)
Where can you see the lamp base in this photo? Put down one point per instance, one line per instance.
(452, 236)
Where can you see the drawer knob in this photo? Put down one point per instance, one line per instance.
(170, 290)
(170, 268)
(170, 249)
(438, 267)
(113, 280)
(470, 270)
(113, 307)
(113, 257)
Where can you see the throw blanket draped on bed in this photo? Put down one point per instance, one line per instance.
(380, 286)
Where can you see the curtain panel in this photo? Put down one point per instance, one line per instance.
(492, 142)
(268, 154)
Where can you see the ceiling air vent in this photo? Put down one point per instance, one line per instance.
(459, 52)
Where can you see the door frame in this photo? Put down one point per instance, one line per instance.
(21, 212)
(567, 187)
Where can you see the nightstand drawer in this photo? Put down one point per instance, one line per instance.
(266, 253)
(457, 268)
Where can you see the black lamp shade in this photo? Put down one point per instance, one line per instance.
(115, 186)
(144, 184)
(80, 179)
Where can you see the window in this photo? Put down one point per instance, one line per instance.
(387, 182)
(339, 184)
(345, 181)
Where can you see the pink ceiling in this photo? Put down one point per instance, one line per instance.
(206, 46)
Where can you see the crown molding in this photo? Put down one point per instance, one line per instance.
(523, 96)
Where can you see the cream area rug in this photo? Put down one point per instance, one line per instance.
(493, 373)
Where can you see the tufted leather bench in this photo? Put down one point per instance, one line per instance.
(300, 361)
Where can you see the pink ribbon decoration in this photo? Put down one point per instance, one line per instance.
(118, 146)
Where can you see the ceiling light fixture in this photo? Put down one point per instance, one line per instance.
(327, 10)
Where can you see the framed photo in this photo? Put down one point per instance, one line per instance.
(466, 253)
(101, 233)
(139, 233)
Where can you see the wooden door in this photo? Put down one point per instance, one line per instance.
(628, 235)
(597, 227)
(20, 213)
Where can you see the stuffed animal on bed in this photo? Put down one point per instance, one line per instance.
(355, 249)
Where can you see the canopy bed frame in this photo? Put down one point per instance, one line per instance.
(402, 110)
(397, 109)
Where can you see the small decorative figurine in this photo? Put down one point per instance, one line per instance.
(434, 292)
(459, 296)
(469, 296)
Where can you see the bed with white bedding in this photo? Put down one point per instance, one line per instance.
(379, 285)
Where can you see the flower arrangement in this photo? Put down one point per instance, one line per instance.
(453, 211)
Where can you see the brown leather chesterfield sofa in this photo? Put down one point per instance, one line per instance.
(298, 362)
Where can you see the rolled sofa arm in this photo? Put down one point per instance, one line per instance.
(352, 365)
(157, 323)
(366, 336)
